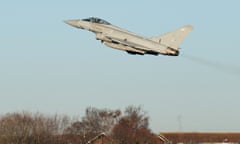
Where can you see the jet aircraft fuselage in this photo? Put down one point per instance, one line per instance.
(115, 37)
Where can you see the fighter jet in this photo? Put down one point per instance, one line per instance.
(118, 38)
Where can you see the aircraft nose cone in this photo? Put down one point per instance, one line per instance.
(73, 23)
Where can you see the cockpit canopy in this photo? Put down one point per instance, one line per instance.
(96, 20)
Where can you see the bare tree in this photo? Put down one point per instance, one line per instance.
(132, 128)
(15, 128)
(45, 128)
(26, 128)
(97, 120)
(137, 117)
(93, 123)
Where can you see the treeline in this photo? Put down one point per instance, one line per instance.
(128, 127)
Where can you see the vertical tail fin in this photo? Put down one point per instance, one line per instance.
(173, 39)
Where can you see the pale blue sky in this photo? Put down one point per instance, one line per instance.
(50, 67)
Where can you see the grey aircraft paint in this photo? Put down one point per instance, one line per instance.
(117, 38)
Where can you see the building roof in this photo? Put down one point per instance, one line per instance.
(196, 137)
